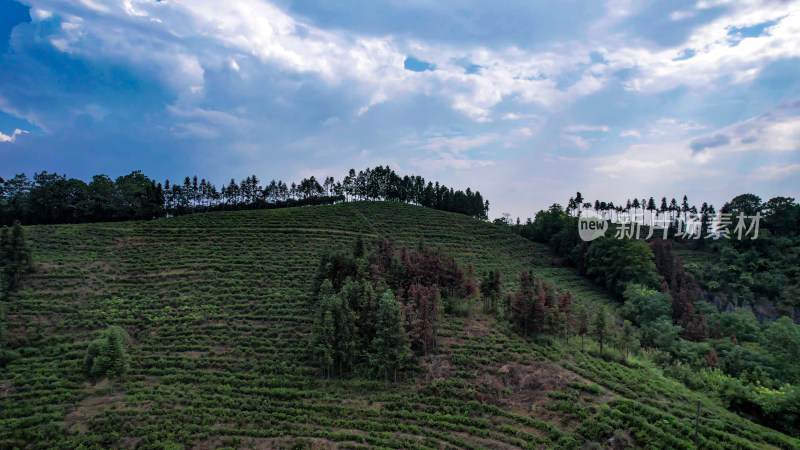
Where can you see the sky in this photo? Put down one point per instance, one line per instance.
(524, 101)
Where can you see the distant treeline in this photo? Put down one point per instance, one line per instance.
(52, 198)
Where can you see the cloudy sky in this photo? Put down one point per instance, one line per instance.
(524, 101)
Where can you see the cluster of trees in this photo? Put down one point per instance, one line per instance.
(382, 183)
(537, 309)
(15, 257)
(201, 196)
(750, 271)
(781, 215)
(656, 211)
(15, 260)
(5, 355)
(106, 356)
(376, 307)
(747, 272)
(751, 363)
(54, 198)
(754, 368)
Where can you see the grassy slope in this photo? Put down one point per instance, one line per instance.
(218, 306)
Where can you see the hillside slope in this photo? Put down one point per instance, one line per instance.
(219, 308)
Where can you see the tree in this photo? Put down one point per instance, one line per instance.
(712, 359)
(662, 334)
(651, 206)
(643, 306)
(15, 256)
(389, 347)
(345, 333)
(685, 207)
(628, 338)
(323, 337)
(601, 329)
(582, 321)
(741, 324)
(782, 216)
(616, 262)
(4, 354)
(106, 356)
(749, 204)
(782, 339)
(136, 196)
(490, 289)
(421, 305)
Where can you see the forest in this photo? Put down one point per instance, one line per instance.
(725, 320)
(51, 198)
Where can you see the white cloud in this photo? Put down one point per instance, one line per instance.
(585, 128)
(515, 116)
(41, 14)
(13, 136)
(94, 6)
(679, 156)
(331, 121)
(524, 132)
(630, 133)
(448, 161)
(182, 38)
(454, 144)
(775, 171)
(131, 10)
(715, 56)
(199, 123)
(581, 143)
(680, 15)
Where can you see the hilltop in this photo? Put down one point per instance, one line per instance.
(218, 306)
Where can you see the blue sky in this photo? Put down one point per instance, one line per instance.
(524, 101)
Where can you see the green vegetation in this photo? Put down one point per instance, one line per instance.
(106, 358)
(719, 346)
(229, 332)
(15, 257)
(52, 198)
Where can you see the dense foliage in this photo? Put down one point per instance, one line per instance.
(375, 305)
(106, 357)
(700, 315)
(15, 257)
(52, 198)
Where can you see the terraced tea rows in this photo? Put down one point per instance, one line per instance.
(218, 305)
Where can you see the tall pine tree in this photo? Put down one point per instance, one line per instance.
(389, 347)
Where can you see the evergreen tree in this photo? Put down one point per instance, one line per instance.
(106, 356)
(3, 352)
(490, 290)
(601, 330)
(582, 321)
(628, 338)
(345, 332)
(389, 347)
(323, 331)
(15, 256)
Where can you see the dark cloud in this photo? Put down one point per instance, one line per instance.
(749, 139)
(702, 143)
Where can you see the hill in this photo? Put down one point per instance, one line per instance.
(218, 306)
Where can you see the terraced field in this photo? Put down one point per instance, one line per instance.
(218, 306)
